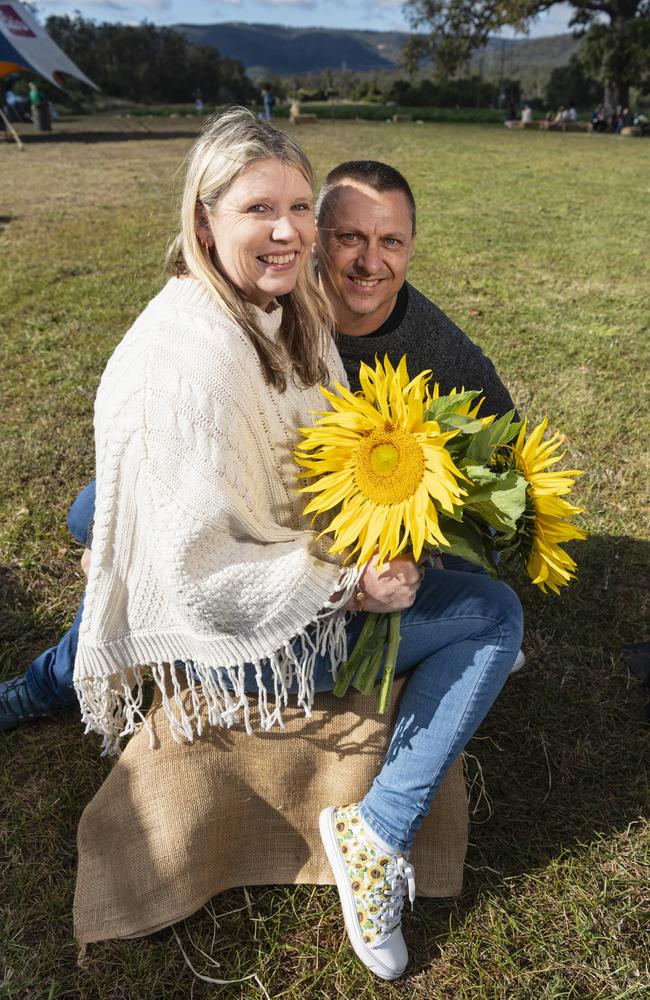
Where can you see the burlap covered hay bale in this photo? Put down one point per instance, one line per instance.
(175, 825)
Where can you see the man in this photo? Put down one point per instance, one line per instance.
(268, 102)
(366, 233)
(15, 107)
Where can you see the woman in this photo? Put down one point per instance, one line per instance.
(201, 556)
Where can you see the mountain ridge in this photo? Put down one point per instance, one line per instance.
(278, 49)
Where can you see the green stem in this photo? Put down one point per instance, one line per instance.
(365, 682)
(394, 638)
(366, 676)
(349, 668)
(364, 663)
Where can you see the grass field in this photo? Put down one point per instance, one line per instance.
(537, 245)
(364, 110)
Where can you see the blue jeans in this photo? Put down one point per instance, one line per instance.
(461, 638)
(49, 676)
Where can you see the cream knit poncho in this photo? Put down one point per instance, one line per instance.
(200, 551)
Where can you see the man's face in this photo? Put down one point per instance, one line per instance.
(365, 242)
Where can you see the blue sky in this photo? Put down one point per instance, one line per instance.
(381, 15)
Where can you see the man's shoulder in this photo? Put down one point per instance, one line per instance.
(421, 309)
(427, 328)
(435, 342)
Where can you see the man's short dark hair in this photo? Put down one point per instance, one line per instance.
(374, 174)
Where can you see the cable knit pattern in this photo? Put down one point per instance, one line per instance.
(200, 550)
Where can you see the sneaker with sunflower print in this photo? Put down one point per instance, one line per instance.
(372, 884)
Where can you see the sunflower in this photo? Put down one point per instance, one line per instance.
(548, 564)
(386, 466)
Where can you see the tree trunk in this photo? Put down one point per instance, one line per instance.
(617, 79)
(617, 92)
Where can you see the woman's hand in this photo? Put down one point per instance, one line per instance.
(85, 562)
(391, 588)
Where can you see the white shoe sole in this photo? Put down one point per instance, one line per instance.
(519, 662)
(367, 955)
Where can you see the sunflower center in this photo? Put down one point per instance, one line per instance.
(384, 458)
(389, 466)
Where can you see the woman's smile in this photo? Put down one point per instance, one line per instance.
(280, 262)
(268, 208)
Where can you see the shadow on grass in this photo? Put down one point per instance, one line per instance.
(27, 625)
(560, 754)
(18, 623)
(562, 751)
(39, 138)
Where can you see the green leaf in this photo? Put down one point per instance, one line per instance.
(517, 545)
(469, 541)
(480, 474)
(455, 514)
(499, 499)
(442, 407)
(459, 421)
(499, 433)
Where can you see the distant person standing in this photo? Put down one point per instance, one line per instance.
(15, 107)
(199, 106)
(572, 114)
(526, 115)
(617, 119)
(40, 109)
(268, 102)
(36, 97)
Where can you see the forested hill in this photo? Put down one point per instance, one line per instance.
(277, 49)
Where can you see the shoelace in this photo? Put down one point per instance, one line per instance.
(400, 876)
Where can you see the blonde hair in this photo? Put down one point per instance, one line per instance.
(229, 143)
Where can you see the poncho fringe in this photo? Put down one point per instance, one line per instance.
(113, 705)
(202, 559)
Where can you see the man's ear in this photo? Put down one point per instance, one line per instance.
(203, 231)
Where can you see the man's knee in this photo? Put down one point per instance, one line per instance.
(82, 513)
(494, 601)
(509, 606)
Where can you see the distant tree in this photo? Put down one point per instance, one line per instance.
(615, 51)
(572, 83)
(462, 92)
(147, 63)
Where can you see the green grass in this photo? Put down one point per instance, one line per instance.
(366, 110)
(536, 244)
(375, 112)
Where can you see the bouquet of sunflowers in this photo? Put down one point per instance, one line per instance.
(404, 469)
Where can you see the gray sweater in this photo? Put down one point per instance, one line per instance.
(429, 339)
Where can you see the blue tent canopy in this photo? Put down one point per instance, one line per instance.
(26, 47)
